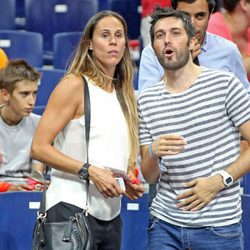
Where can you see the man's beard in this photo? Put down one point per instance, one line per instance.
(181, 60)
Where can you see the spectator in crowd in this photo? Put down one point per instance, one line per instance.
(192, 120)
(215, 52)
(212, 51)
(233, 23)
(102, 57)
(18, 84)
(147, 7)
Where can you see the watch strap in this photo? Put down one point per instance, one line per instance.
(83, 169)
(227, 178)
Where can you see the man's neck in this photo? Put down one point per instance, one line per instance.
(8, 117)
(177, 81)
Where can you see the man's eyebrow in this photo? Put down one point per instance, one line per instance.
(171, 29)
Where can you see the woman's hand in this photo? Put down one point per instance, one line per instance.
(134, 188)
(105, 182)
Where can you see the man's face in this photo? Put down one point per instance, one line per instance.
(171, 43)
(199, 14)
(23, 97)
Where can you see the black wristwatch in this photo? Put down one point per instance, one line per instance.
(83, 173)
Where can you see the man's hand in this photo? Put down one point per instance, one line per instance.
(168, 144)
(105, 181)
(196, 50)
(201, 192)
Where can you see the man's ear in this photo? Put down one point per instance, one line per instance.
(5, 95)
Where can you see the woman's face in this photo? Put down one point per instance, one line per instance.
(108, 43)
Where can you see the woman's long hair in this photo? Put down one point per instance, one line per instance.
(85, 63)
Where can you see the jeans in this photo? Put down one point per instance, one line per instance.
(164, 236)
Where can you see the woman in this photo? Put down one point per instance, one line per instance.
(102, 57)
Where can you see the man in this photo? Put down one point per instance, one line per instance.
(18, 84)
(212, 51)
(233, 23)
(215, 52)
(191, 121)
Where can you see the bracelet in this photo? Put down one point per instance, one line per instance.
(150, 150)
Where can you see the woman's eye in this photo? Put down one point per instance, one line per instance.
(119, 35)
(105, 35)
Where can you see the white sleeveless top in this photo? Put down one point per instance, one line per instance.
(109, 146)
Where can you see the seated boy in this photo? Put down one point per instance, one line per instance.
(18, 86)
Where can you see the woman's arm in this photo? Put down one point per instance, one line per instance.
(67, 103)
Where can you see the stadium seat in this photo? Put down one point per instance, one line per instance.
(49, 79)
(23, 44)
(18, 215)
(130, 11)
(7, 14)
(245, 220)
(20, 12)
(53, 16)
(103, 5)
(135, 80)
(246, 183)
(64, 45)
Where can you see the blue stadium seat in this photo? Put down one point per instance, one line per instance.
(135, 80)
(246, 220)
(246, 183)
(49, 79)
(53, 16)
(103, 5)
(20, 12)
(129, 9)
(7, 14)
(18, 215)
(64, 45)
(23, 44)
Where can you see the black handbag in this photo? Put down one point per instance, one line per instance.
(75, 233)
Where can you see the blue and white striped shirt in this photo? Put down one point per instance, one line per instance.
(208, 116)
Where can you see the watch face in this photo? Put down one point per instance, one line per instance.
(229, 180)
(83, 173)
